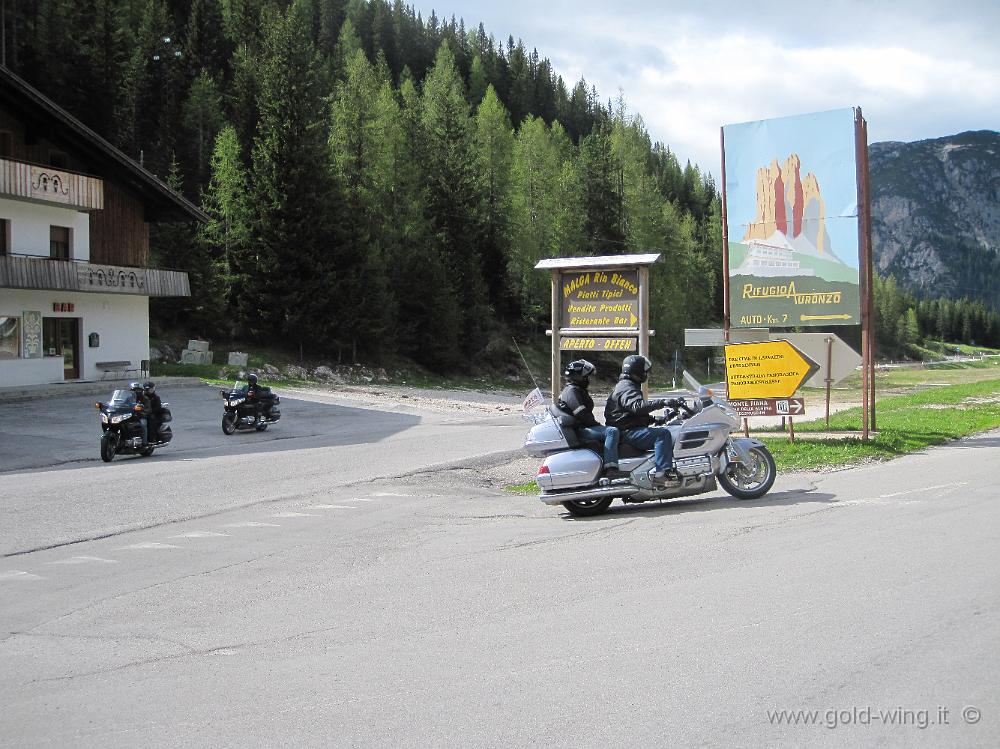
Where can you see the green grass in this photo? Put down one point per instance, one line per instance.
(906, 423)
(528, 487)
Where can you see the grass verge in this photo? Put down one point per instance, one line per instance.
(906, 423)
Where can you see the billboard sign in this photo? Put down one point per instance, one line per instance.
(792, 221)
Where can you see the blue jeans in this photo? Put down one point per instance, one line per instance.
(607, 435)
(656, 438)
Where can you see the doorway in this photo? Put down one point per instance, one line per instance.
(61, 337)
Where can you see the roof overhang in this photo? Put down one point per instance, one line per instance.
(46, 118)
(604, 261)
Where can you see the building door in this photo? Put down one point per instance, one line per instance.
(61, 337)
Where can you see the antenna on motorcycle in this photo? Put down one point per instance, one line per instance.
(535, 383)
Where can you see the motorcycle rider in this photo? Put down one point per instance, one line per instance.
(155, 410)
(147, 408)
(576, 401)
(253, 395)
(630, 412)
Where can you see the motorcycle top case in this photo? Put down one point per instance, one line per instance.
(545, 438)
(569, 469)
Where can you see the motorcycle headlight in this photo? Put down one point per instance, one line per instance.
(117, 419)
(236, 401)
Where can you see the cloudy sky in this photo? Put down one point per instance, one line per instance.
(917, 69)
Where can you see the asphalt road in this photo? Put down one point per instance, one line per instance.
(353, 607)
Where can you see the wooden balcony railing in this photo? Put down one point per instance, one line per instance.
(27, 272)
(24, 181)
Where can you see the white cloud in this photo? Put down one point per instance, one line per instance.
(919, 69)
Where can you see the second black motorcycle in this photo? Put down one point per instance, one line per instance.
(242, 411)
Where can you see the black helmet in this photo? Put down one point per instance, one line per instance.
(149, 386)
(252, 379)
(578, 372)
(636, 367)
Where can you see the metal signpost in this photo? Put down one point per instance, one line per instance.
(599, 304)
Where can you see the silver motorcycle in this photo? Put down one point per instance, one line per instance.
(705, 451)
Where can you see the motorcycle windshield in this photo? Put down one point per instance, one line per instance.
(239, 387)
(121, 398)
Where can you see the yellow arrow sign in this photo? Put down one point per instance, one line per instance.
(824, 317)
(768, 369)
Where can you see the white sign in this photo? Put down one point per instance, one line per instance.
(844, 360)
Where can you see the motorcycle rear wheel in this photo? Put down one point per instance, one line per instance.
(583, 508)
(750, 481)
(107, 448)
(228, 423)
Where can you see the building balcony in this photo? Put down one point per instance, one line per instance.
(36, 272)
(20, 180)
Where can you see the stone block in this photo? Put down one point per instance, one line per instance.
(197, 345)
(238, 358)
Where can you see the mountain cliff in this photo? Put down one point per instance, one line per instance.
(936, 214)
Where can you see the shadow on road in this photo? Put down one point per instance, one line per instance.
(705, 504)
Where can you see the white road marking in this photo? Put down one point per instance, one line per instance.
(360, 499)
(251, 524)
(19, 575)
(84, 560)
(390, 494)
(295, 515)
(200, 534)
(149, 545)
(330, 507)
(953, 485)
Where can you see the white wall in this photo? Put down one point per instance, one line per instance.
(29, 228)
(122, 321)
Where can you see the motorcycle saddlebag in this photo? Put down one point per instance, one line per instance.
(569, 469)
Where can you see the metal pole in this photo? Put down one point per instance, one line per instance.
(725, 243)
(862, 275)
(829, 376)
(556, 313)
(643, 343)
(872, 342)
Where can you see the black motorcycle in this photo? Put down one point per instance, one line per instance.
(122, 431)
(242, 412)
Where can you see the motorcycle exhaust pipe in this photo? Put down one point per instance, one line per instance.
(595, 493)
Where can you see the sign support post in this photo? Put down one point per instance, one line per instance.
(556, 362)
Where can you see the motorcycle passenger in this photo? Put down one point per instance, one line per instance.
(575, 400)
(630, 412)
(155, 410)
(140, 397)
(253, 395)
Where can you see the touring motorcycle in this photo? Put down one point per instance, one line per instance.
(240, 412)
(122, 432)
(705, 452)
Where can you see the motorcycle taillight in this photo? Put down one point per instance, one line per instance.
(543, 469)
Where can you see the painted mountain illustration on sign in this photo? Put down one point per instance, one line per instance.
(788, 235)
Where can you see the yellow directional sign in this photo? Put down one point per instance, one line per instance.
(769, 369)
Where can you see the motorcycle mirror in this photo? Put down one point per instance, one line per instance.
(98, 405)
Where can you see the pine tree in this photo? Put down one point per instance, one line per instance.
(292, 285)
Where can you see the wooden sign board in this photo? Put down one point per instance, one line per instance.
(568, 343)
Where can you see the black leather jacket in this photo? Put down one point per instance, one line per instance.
(576, 401)
(626, 408)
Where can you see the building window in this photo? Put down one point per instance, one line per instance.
(10, 337)
(59, 243)
(4, 236)
(6, 144)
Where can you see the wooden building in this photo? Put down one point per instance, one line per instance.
(75, 275)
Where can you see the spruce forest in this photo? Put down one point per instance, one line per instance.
(379, 183)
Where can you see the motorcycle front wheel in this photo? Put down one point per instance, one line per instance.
(228, 423)
(583, 508)
(107, 447)
(750, 480)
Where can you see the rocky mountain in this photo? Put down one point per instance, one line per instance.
(936, 214)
